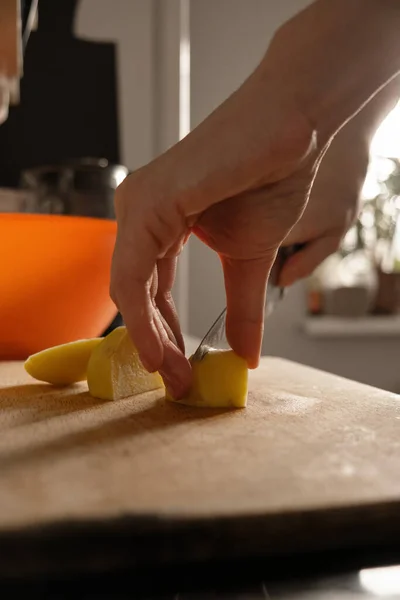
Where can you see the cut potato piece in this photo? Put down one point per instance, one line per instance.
(64, 364)
(219, 381)
(115, 371)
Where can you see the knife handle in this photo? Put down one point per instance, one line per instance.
(284, 253)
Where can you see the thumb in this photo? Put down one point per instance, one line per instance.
(304, 262)
(245, 285)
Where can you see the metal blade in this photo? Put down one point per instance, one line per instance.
(274, 295)
(213, 336)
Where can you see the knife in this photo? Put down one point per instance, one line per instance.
(275, 293)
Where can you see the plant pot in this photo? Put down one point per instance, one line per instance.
(388, 297)
(348, 301)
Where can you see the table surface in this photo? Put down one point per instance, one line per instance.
(343, 584)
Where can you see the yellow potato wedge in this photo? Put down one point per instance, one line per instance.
(219, 381)
(115, 371)
(62, 365)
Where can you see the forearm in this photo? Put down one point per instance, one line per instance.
(334, 56)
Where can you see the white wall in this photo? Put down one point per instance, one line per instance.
(147, 38)
(228, 38)
(131, 25)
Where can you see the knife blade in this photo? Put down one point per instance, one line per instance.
(275, 294)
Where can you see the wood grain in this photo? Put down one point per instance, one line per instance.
(156, 481)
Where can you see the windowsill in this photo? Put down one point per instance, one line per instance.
(344, 327)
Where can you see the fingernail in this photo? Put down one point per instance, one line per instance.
(253, 363)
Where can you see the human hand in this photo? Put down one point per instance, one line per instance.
(240, 182)
(336, 193)
(332, 208)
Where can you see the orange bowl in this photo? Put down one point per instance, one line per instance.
(54, 282)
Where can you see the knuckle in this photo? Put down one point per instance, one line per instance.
(164, 298)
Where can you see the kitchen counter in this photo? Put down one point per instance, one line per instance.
(305, 480)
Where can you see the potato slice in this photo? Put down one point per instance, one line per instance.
(115, 371)
(219, 381)
(64, 364)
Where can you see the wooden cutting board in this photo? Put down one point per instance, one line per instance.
(312, 463)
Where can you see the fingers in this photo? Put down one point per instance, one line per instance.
(175, 369)
(245, 285)
(153, 337)
(141, 277)
(166, 268)
(304, 262)
(131, 282)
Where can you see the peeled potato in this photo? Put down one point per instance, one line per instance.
(115, 371)
(64, 364)
(219, 381)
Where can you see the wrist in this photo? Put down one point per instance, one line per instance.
(333, 57)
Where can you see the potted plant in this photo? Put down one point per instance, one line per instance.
(379, 225)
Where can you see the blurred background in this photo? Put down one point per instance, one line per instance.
(109, 85)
